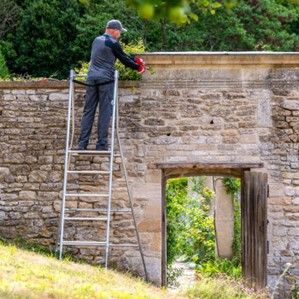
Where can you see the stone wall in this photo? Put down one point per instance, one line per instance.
(194, 107)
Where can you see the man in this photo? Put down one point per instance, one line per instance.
(100, 77)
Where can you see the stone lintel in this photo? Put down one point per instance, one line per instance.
(194, 169)
(171, 165)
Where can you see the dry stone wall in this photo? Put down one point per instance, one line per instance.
(197, 108)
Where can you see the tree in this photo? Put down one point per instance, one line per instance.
(177, 11)
(9, 12)
(43, 40)
(251, 25)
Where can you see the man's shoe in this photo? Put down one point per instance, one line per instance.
(101, 148)
(81, 148)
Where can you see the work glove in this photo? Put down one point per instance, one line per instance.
(141, 63)
(141, 68)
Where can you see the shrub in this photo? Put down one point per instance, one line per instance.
(4, 72)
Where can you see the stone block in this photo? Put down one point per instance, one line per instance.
(291, 104)
(276, 190)
(39, 176)
(27, 195)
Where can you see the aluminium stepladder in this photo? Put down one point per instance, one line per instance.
(61, 242)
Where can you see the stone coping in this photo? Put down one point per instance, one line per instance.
(222, 58)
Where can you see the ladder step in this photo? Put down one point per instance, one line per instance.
(88, 194)
(98, 210)
(96, 243)
(89, 152)
(89, 171)
(84, 243)
(86, 218)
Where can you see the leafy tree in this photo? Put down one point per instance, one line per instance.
(53, 36)
(251, 25)
(44, 37)
(94, 20)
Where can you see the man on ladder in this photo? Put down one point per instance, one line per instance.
(105, 50)
(100, 90)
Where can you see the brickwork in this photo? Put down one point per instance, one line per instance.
(194, 108)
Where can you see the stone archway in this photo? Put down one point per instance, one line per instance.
(253, 213)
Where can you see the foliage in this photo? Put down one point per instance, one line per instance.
(190, 229)
(43, 39)
(47, 38)
(4, 72)
(222, 287)
(225, 266)
(177, 11)
(252, 25)
(233, 187)
(295, 291)
(127, 73)
(124, 72)
(9, 12)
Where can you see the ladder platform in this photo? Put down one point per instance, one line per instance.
(96, 244)
(88, 194)
(98, 210)
(86, 218)
(89, 171)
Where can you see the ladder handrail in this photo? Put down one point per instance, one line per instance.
(66, 161)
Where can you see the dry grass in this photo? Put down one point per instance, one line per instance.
(27, 275)
(24, 274)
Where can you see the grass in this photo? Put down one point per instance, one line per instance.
(26, 274)
(32, 272)
(222, 287)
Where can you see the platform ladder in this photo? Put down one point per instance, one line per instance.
(69, 151)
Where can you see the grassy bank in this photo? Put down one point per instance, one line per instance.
(27, 274)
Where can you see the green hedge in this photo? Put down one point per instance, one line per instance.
(4, 72)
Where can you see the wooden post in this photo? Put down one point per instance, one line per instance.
(254, 228)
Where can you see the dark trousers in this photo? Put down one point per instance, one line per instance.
(102, 95)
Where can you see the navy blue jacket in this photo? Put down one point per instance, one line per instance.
(105, 50)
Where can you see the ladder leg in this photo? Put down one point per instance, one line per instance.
(66, 162)
(130, 195)
(115, 96)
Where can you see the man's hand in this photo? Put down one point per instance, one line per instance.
(141, 63)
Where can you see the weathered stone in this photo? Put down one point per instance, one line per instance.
(4, 171)
(38, 176)
(291, 104)
(27, 195)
